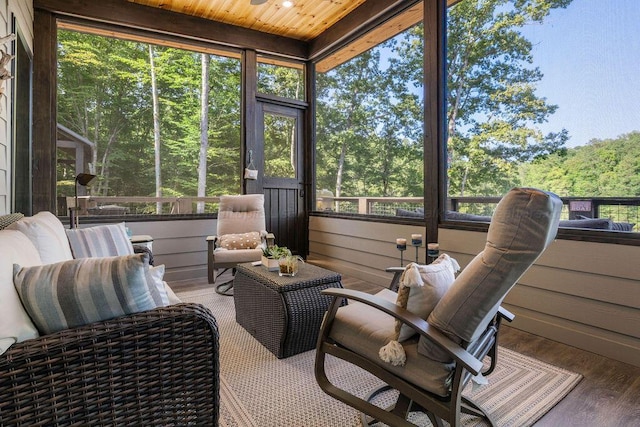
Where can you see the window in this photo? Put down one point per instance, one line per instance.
(281, 78)
(130, 112)
(545, 98)
(369, 128)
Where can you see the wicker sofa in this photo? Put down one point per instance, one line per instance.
(155, 367)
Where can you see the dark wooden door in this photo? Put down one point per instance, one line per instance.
(280, 140)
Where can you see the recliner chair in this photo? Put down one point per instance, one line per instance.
(237, 216)
(460, 331)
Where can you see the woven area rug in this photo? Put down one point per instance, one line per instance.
(258, 389)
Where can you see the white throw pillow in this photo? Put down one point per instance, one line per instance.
(173, 298)
(15, 324)
(425, 288)
(46, 232)
(157, 285)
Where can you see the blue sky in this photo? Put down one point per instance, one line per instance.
(589, 54)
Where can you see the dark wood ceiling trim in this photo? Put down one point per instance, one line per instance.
(133, 15)
(361, 20)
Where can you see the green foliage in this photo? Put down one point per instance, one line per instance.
(104, 94)
(276, 252)
(369, 123)
(606, 168)
(493, 111)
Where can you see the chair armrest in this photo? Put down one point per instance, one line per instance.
(158, 367)
(506, 314)
(211, 238)
(394, 285)
(461, 355)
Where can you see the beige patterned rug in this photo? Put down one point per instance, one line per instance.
(258, 389)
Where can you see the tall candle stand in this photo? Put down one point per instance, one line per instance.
(416, 240)
(401, 244)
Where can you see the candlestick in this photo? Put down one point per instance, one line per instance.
(401, 244)
(433, 251)
(416, 240)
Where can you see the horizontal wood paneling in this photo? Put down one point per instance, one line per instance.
(580, 293)
(179, 245)
(360, 248)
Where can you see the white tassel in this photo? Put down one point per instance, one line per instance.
(393, 353)
(412, 276)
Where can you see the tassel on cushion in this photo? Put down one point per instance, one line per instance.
(393, 353)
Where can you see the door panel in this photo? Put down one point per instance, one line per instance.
(280, 141)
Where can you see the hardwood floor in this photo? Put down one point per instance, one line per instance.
(607, 396)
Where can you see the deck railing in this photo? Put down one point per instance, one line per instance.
(621, 209)
(625, 209)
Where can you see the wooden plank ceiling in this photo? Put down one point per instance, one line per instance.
(304, 20)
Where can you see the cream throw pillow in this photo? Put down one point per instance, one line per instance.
(421, 288)
(46, 232)
(15, 324)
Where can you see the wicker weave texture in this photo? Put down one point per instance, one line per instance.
(159, 367)
(283, 313)
(6, 220)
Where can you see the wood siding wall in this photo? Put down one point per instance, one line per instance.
(23, 12)
(583, 294)
(179, 245)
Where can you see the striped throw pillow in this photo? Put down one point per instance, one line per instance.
(82, 291)
(100, 241)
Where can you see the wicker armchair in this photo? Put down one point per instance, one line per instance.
(158, 367)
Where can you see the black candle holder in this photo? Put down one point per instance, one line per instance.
(416, 242)
(401, 248)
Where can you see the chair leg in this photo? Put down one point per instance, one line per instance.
(226, 288)
(468, 406)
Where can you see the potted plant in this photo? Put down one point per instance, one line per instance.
(271, 255)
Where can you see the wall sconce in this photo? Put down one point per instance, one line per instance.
(82, 179)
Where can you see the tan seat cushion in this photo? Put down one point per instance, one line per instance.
(364, 329)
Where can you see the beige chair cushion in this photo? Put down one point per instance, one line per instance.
(523, 224)
(364, 329)
(238, 214)
(223, 256)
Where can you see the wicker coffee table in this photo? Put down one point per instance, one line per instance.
(283, 313)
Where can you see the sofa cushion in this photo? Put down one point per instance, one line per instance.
(100, 241)
(46, 232)
(81, 291)
(622, 226)
(15, 324)
(461, 216)
(592, 223)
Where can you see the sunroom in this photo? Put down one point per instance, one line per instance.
(366, 121)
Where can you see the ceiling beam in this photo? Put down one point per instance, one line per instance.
(132, 15)
(363, 19)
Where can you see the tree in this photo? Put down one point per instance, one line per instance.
(492, 106)
(156, 129)
(204, 131)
